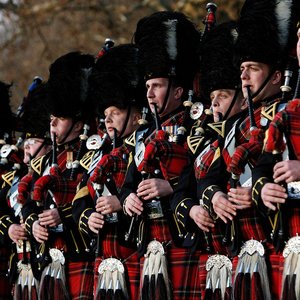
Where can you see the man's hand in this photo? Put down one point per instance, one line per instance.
(202, 218)
(96, 222)
(241, 196)
(50, 217)
(133, 205)
(273, 194)
(154, 187)
(287, 171)
(17, 232)
(108, 204)
(224, 209)
(39, 232)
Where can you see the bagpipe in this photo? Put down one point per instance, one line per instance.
(107, 179)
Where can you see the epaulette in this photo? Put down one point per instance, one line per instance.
(87, 159)
(131, 139)
(9, 177)
(270, 111)
(37, 164)
(194, 142)
(84, 191)
(218, 127)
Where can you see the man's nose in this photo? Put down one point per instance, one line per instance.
(53, 121)
(244, 74)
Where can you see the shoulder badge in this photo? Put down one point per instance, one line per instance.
(218, 127)
(131, 139)
(37, 164)
(87, 159)
(194, 142)
(270, 111)
(9, 177)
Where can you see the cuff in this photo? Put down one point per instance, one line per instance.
(65, 213)
(29, 222)
(207, 197)
(174, 182)
(83, 221)
(256, 194)
(182, 211)
(5, 222)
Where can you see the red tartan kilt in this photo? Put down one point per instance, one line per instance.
(217, 236)
(275, 264)
(203, 273)
(80, 276)
(111, 248)
(293, 220)
(251, 225)
(5, 287)
(183, 267)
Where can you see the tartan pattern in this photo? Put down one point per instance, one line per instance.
(62, 188)
(286, 122)
(112, 164)
(24, 187)
(172, 157)
(79, 276)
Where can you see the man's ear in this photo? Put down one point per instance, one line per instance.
(78, 126)
(178, 92)
(277, 77)
(136, 117)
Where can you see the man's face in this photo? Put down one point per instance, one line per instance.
(61, 126)
(156, 92)
(253, 74)
(31, 145)
(115, 119)
(221, 100)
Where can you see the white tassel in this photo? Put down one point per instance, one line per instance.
(283, 16)
(171, 39)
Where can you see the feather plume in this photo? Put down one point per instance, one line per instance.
(171, 39)
(283, 12)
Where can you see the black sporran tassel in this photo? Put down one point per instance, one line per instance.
(146, 288)
(256, 285)
(18, 289)
(161, 289)
(110, 291)
(25, 294)
(152, 286)
(44, 287)
(33, 291)
(101, 291)
(208, 290)
(217, 292)
(228, 290)
(60, 290)
(119, 295)
(285, 288)
(238, 286)
(292, 291)
(246, 286)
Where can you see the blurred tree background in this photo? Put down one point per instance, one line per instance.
(34, 33)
